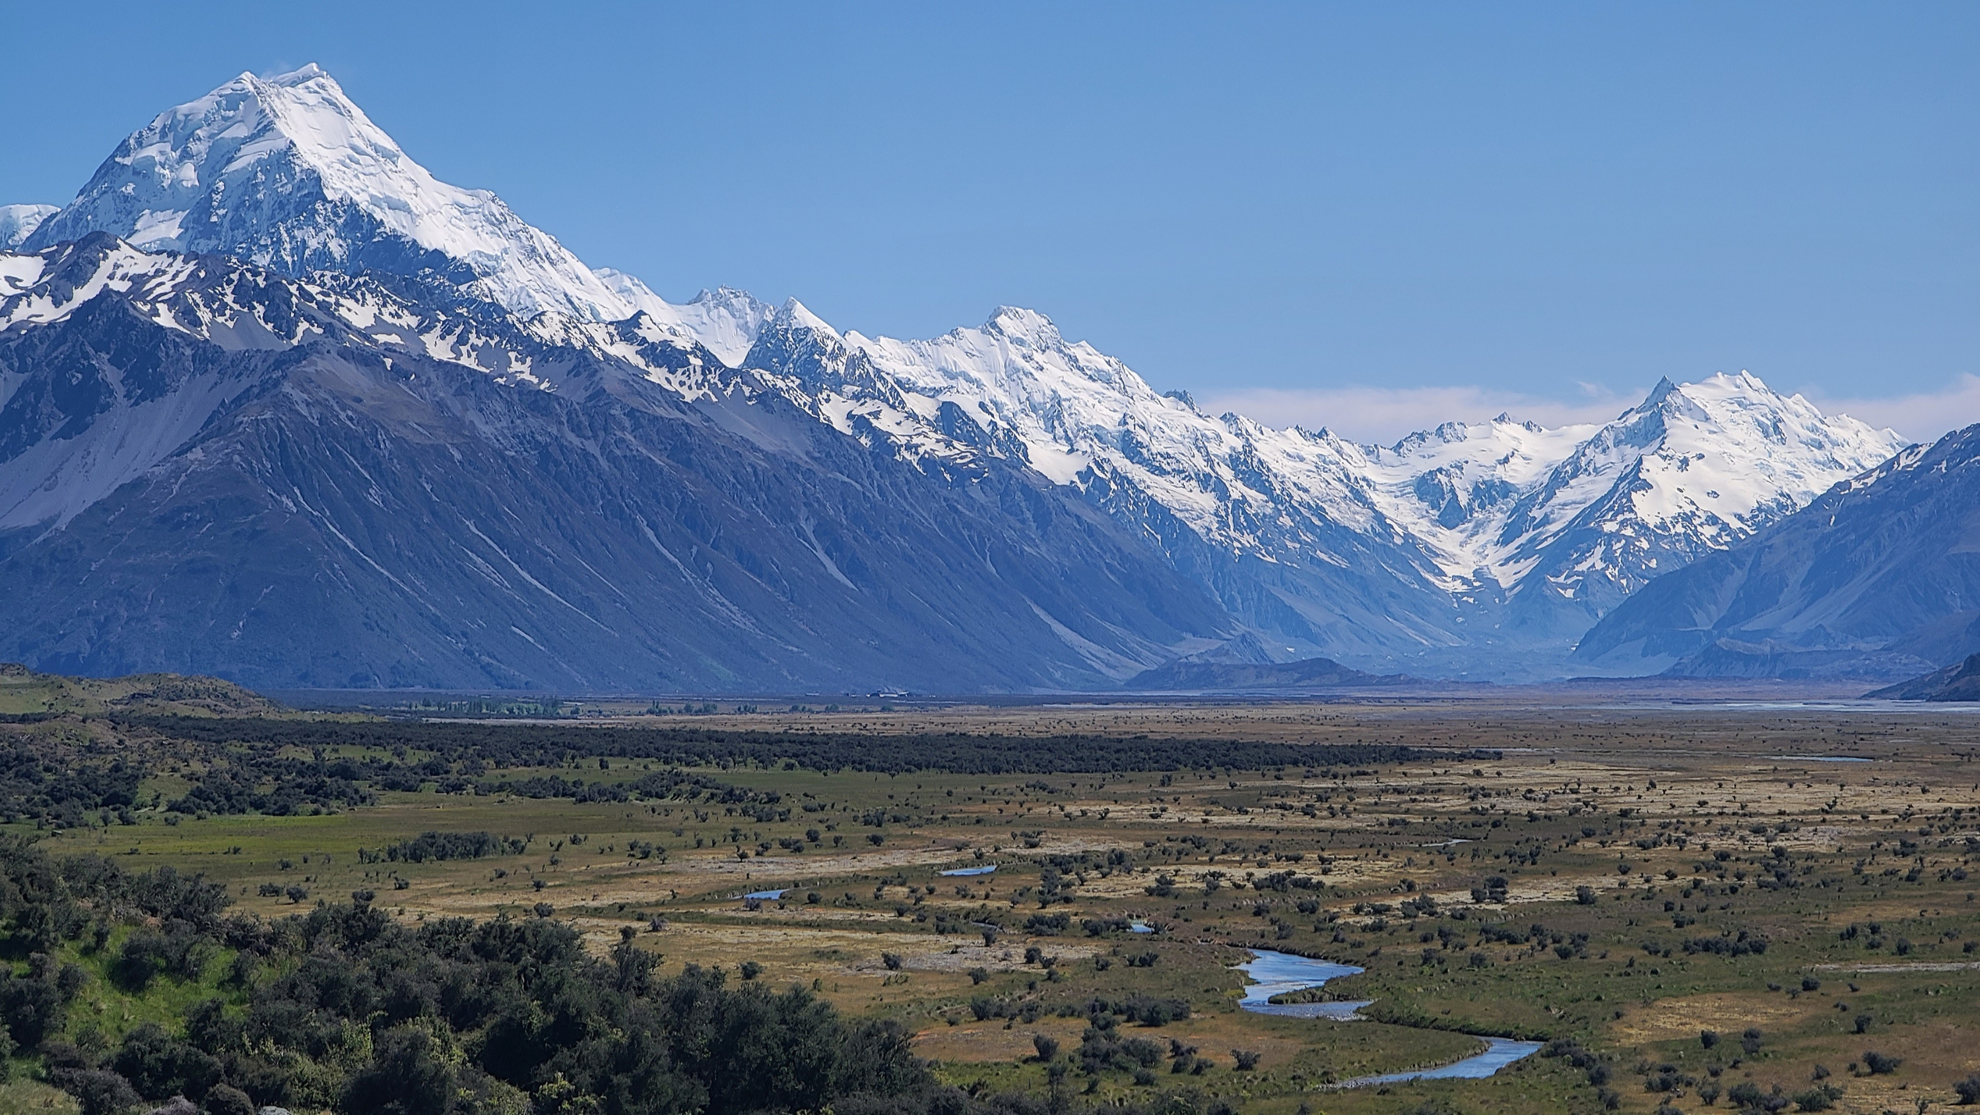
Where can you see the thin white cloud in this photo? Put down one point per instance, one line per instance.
(1383, 415)
(1922, 417)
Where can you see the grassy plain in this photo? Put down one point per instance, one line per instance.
(1572, 888)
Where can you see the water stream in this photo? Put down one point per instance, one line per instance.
(1277, 973)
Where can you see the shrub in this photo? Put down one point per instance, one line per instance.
(32, 1007)
(435, 846)
(1877, 1064)
(157, 1064)
(97, 1091)
(1102, 1049)
(1744, 944)
(1047, 1047)
(407, 1074)
(1968, 1090)
(1247, 1059)
(138, 961)
(1047, 925)
(226, 1100)
(1147, 1010)
(1665, 1079)
(1746, 1094)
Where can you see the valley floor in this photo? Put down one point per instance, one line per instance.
(1618, 881)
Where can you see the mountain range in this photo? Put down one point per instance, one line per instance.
(278, 405)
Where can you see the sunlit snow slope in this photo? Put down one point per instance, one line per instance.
(286, 172)
(1505, 521)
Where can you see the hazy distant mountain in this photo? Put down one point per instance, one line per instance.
(1957, 682)
(1307, 675)
(259, 295)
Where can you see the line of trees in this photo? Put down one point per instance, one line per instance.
(551, 745)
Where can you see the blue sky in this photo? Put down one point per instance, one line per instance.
(1371, 216)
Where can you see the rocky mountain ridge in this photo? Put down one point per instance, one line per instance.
(272, 215)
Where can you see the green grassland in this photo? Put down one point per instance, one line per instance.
(25, 692)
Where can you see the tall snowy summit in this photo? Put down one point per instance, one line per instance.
(286, 172)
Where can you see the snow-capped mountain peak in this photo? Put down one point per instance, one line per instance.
(725, 319)
(1728, 447)
(287, 172)
(1693, 468)
(1025, 326)
(794, 314)
(18, 222)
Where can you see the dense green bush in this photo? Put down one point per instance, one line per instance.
(343, 1008)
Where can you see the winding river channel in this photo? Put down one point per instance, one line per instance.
(1278, 973)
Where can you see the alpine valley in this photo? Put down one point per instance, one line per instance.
(279, 406)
